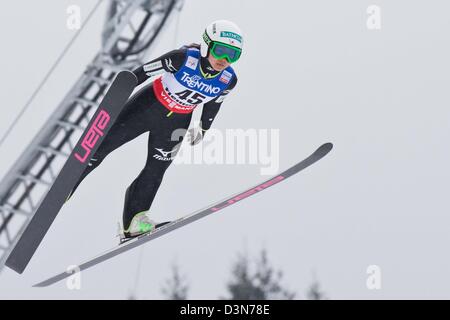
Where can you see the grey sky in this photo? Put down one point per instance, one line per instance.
(311, 69)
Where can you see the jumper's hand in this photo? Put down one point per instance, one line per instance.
(195, 135)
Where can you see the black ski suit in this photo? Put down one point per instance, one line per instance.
(144, 113)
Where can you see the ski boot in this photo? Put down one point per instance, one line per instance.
(140, 224)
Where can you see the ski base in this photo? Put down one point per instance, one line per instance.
(95, 132)
(321, 152)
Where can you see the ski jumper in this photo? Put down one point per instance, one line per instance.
(184, 81)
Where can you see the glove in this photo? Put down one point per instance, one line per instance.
(195, 135)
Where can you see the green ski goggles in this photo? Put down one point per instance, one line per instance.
(224, 51)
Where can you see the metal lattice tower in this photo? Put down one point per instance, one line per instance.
(130, 30)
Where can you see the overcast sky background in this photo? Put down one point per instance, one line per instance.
(311, 69)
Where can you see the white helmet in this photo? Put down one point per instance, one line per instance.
(223, 39)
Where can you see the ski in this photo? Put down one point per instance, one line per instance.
(168, 227)
(104, 117)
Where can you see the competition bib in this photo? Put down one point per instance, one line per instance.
(184, 90)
